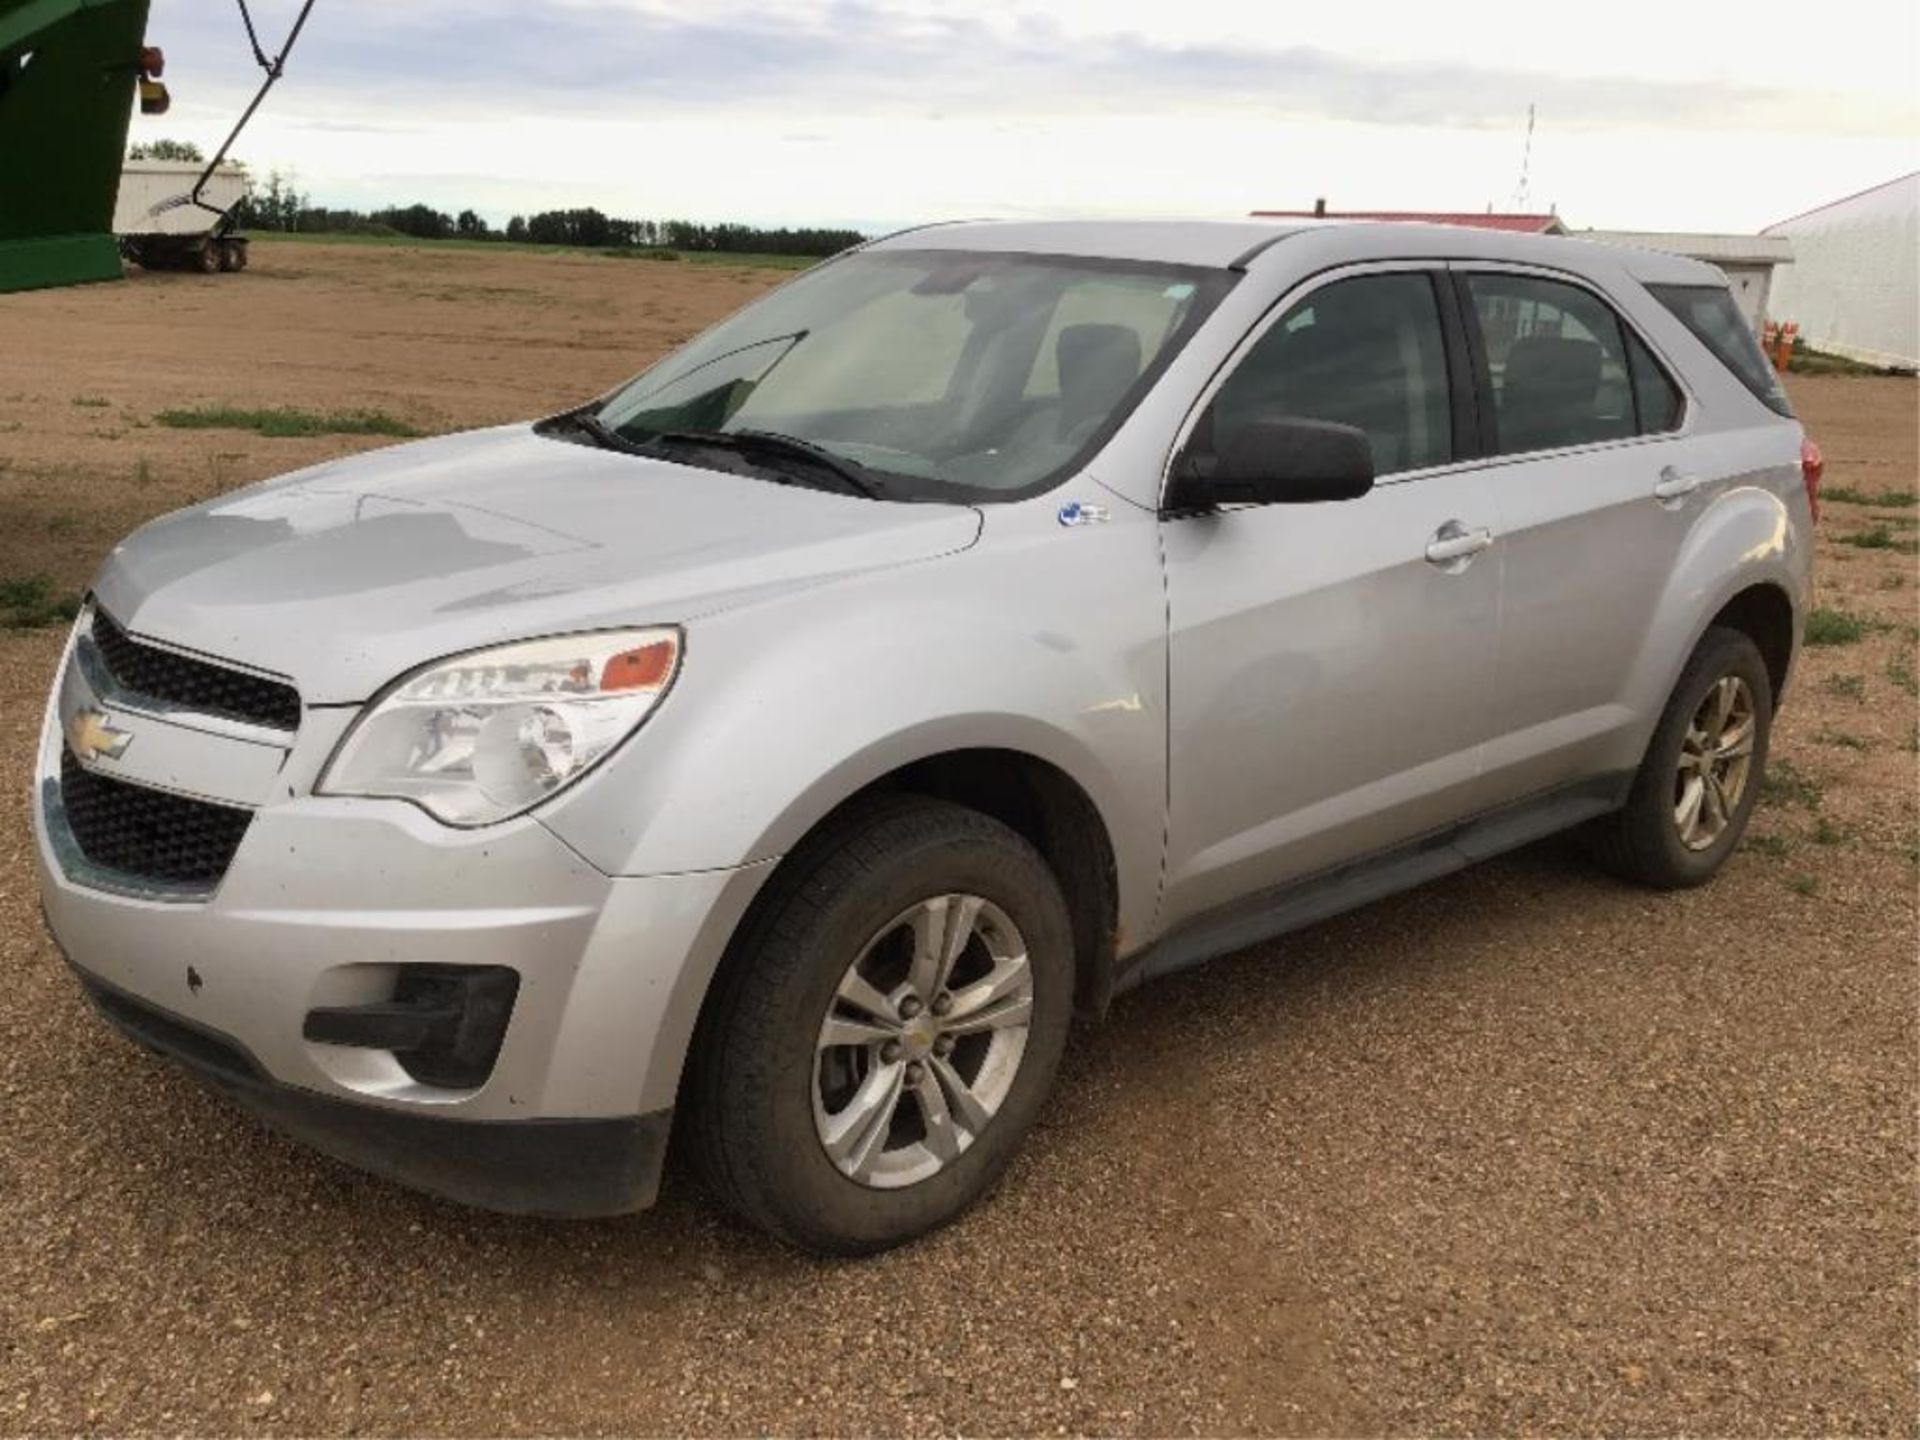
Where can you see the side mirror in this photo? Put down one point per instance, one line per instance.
(1283, 461)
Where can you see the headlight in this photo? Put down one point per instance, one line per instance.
(486, 735)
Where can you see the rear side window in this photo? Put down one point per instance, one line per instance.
(1365, 352)
(1716, 322)
(1557, 360)
(1655, 395)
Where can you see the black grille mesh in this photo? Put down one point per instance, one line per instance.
(194, 684)
(148, 833)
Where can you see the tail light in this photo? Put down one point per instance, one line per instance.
(1812, 467)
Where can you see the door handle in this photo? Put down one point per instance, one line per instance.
(1675, 486)
(1453, 543)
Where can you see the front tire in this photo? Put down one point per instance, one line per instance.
(885, 1028)
(1695, 789)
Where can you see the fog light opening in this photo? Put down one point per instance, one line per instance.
(444, 1025)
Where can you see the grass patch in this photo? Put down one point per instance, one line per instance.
(1853, 687)
(1846, 740)
(1806, 885)
(1880, 537)
(1900, 672)
(91, 402)
(285, 422)
(1825, 832)
(32, 602)
(1827, 626)
(1847, 495)
(1785, 784)
(1774, 845)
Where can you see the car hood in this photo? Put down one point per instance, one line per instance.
(344, 576)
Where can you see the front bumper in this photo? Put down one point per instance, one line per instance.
(572, 1168)
(327, 899)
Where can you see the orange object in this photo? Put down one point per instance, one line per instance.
(640, 669)
(1781, 343)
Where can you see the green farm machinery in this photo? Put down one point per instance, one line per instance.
(69, 74)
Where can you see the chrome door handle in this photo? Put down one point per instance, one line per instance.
(1675, 486)
(1454, 542)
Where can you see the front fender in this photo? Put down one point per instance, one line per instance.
(786, 708)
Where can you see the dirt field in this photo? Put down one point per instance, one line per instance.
(1522, 1151)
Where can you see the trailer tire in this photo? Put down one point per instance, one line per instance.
(236, 255)
(206, 257)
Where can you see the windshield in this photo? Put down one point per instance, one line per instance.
(943, 375)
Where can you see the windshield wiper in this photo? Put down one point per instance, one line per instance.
(850, 473)
(589, 423)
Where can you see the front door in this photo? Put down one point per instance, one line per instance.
(1331, 664)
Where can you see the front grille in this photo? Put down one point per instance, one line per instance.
(148, 834)
(193, 684)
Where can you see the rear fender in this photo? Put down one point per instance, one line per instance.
(1747, 536)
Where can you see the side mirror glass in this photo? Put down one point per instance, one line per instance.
(1283, 461)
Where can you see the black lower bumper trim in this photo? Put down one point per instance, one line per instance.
(573, 1168)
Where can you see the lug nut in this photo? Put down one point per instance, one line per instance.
(943, 1046)
(916, 1072)
(942, 1003)
(890, 1052)
(910, 1007)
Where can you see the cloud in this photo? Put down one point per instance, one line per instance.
(857, 59)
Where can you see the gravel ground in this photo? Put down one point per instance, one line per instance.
(1521, 1151)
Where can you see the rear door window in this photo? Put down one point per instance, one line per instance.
(1557, 362)
(1716, 322)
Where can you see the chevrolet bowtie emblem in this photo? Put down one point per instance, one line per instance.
(90, 736)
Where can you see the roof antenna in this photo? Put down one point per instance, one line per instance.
(1522, 191)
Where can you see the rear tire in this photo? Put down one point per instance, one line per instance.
(230, 256)
(206, 257)
(1696, 787)
(839, 945)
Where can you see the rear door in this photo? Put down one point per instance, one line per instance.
(1331, 681)
(1595, 480)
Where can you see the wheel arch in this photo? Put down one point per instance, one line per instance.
(1034, 796)
(1763, 612)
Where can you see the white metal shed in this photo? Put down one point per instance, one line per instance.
(1854, 286)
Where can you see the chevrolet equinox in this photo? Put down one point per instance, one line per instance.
(787, 744)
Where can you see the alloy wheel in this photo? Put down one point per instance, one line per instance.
(1716, 760)
(922, 1041)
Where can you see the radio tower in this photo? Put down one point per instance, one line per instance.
(1523, 190)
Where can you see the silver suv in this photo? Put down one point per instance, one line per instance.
(989, 620)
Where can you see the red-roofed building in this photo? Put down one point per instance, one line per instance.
(1518, 224)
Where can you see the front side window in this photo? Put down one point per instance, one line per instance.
(1365, 352)
(948, 375)
(1556, 358)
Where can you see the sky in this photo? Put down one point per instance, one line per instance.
(1651, 114)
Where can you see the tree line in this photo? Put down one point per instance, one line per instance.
(277, 205)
